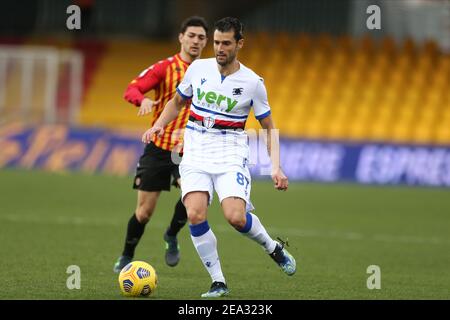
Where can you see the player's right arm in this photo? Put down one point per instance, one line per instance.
(170, 112)
(148, 80)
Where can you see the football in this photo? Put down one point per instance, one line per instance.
(138, 279)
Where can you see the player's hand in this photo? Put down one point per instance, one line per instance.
(148, 135)
(147, 106)
(279, 179)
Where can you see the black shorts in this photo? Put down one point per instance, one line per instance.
(155, 170)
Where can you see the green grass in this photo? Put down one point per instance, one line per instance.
(50, 221)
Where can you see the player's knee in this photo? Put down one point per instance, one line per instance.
(236, 219)
(146, 203)
(196, 215)
(143, 213)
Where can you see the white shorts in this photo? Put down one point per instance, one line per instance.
(234, 183)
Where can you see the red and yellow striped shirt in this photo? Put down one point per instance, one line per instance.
(163, 77)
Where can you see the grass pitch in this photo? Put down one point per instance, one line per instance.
(51, 221)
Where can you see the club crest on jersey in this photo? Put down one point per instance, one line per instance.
(208, 122)
(237, 91)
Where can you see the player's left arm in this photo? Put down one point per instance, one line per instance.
(262, 112)
(273, 148)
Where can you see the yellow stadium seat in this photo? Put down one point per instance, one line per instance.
(366, 44)
(358, 130)
(388, 45)
(379, 130)
(401, 132)
(314, 128)
(423, 134)
(442, 133)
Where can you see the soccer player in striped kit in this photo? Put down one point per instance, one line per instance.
(156, 168)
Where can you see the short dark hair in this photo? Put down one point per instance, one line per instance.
(229, 23)
(194, 21)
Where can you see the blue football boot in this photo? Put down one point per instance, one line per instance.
(283, 258)
(218, 289)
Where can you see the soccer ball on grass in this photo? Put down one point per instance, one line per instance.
(138, 279)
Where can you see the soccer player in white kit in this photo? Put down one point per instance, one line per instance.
(216, 149)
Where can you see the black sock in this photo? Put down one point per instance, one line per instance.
(134, 233)
(179, 219)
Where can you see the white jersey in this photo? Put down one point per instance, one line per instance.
(214, 138)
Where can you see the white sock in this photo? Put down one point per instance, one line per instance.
(256, 231)
(205, 243)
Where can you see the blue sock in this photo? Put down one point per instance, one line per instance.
(248, 223)
(255, 230)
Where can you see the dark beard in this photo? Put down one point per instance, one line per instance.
(226, 62)
(222, 63)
